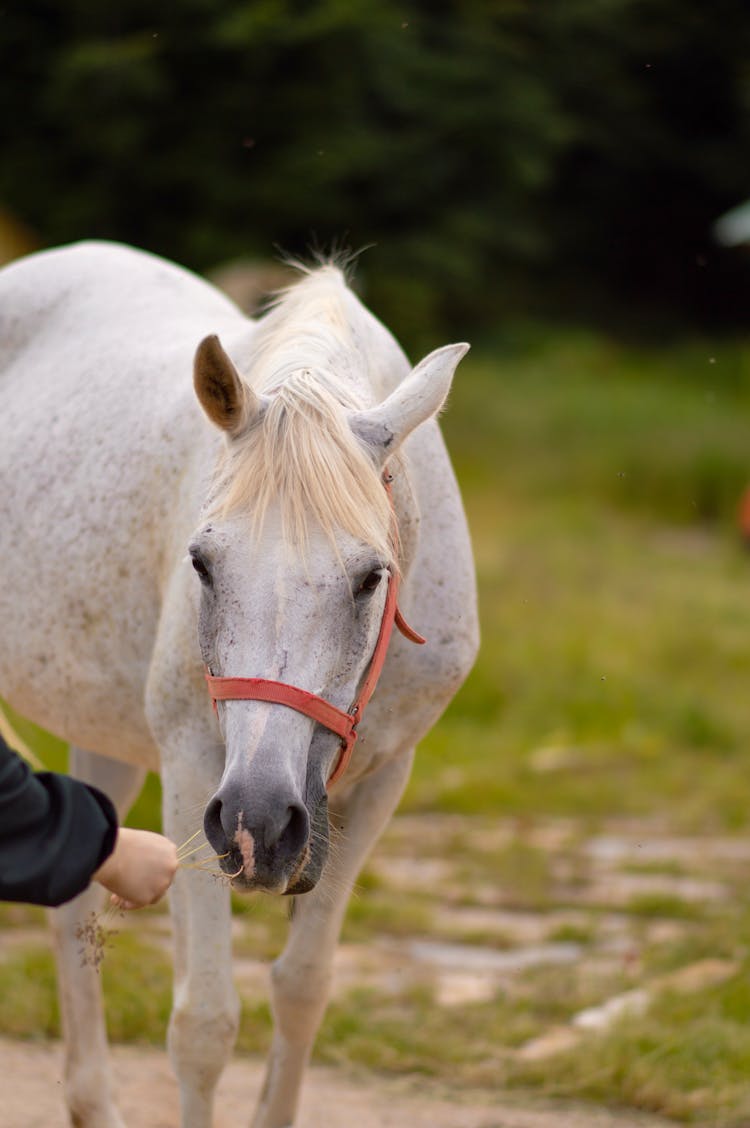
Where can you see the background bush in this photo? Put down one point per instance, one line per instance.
(504, 156)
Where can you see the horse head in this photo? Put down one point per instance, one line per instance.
(294, 558)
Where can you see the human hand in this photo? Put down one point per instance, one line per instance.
(140, 869)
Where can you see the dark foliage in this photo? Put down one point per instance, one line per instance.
(503, 155)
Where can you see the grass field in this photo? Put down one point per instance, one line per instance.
(602, 483)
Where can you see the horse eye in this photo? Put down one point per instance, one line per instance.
(201, 569)
(370, 582)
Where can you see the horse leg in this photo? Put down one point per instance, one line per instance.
(88, 1080)
(205, 1014)
(301, 976)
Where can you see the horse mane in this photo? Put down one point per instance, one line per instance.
(302, 453)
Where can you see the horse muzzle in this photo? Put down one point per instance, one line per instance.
(266, 839)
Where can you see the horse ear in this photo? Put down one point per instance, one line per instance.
(226, 399)
(419, 397)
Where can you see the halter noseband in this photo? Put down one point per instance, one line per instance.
(322, 711)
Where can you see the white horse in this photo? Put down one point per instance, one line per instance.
(116, 489)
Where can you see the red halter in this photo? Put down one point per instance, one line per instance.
(343, 724)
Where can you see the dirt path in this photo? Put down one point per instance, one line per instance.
(32, 1098)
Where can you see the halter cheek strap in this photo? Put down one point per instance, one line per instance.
(320, 710)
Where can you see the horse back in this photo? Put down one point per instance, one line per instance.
(98, 433)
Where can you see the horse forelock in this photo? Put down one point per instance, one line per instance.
(302, 454)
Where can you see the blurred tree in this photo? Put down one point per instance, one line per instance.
(660, 93)
(500, 153)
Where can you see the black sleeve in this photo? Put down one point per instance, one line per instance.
(55, 832)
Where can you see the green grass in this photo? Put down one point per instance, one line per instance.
(387, 914)
(408, 1034)
(665, 905)
(522, 872)
(137, 984)
(602, 485)
(687, 1058)
(28, 994)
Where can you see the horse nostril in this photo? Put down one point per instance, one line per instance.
(212, 825)
(289, 834)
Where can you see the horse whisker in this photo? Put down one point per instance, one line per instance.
(190, 839)
(200, 861)
(196, 850)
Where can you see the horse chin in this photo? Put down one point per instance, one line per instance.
(245, 885)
